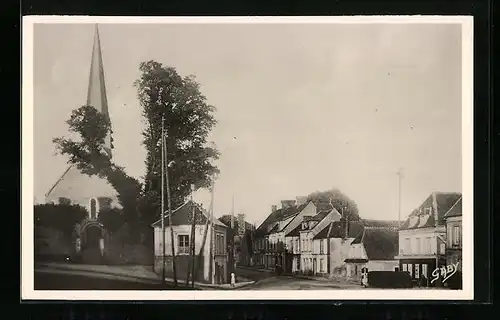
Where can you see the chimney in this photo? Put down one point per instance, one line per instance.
(287, 203)
(274, 208)
(346, 227)
(301, 200)
(435, 209)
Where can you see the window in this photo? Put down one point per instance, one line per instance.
(456, 236)
(417, 245)
(93, 208)
(410, 269)
(424, 270)
(427, 245)
(183, 245)
(407, 246)
(297, 248)
(321, 247)
(405, 267)
(417, 271)
(321, 266)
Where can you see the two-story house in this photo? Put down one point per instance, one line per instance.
(182, 223)
(422, 237)
(311, 226)
(269, 241)
(454, 235)
(373, 249)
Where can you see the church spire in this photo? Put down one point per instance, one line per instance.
(96, 96)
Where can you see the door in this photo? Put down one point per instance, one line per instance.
(314, 265)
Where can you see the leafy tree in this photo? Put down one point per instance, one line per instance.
(91, 158)
(111, 218)
(62, 217)
(341, 202)
(188, 120)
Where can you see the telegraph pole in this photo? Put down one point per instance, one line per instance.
(169, 203)
(400, 177)
(193, 235)
(163, 200)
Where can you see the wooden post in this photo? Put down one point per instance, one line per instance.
(205, 233)
(191, 266)
(163, 201)
(169, 203)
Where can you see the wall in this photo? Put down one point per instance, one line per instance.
(181, 265)
(382, 265)
(80, 188)
(421, 241)
(184, 230)
(339, 250)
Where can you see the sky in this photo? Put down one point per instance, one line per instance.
(300, 108)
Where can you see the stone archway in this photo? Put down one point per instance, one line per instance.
(92, 242)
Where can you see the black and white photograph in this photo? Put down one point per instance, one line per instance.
(247, 158)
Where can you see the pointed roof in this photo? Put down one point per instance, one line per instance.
(96, 94)
(380, 243)
(432, 211)
(183, 215)
(96, 97)
(455, 210)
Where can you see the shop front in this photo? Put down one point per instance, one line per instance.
(421, 270)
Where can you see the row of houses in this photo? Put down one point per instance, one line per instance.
(302, 238)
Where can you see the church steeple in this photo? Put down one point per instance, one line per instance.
(96, 96)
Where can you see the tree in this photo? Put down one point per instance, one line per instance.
(89, 156)
(188, 120)
(62, 217)
(341, 202)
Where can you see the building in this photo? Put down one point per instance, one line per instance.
(242, 231)
(91, 192)
(340, 235)
(454, 236)
(373, 249)
(311, 262)
(182, 225)
(269, 243)
(422, 237)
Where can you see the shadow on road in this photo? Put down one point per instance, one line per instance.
(46, 281)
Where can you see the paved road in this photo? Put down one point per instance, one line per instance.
(53, 281)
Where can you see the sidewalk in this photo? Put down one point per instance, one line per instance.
(131, 273)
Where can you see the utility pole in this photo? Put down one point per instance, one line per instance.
(193, 236)
(212, 239)
(169, 203)
(400, 177)
(163, 201)
(205, 232)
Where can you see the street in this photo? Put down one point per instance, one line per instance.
(270, 281)
(58, 281)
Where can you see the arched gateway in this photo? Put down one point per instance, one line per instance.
(90, 241)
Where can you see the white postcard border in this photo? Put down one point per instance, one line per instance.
(27, 174)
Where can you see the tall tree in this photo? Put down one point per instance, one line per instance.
(188, 120)
(341, 202)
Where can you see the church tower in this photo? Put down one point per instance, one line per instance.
(91, 192)
(96, 96)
